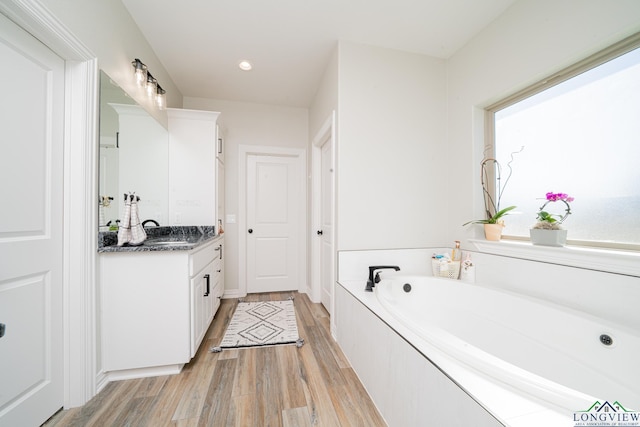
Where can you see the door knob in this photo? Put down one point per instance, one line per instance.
(250, 230)
(319, 232)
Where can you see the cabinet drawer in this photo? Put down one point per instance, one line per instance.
(199, 259)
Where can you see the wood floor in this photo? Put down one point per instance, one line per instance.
(273, 386)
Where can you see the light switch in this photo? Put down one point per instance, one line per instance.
(231, 218)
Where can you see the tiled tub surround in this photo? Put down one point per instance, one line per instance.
(413, 380)
(194, 236)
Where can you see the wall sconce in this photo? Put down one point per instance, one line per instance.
(145, 79)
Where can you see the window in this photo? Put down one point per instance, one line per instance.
(581, 135)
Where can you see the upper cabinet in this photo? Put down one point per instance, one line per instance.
(193, 150)
(220, 144)
(220, 211)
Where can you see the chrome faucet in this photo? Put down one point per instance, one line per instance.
(371, 283)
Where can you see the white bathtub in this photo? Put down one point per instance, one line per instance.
(536, 349)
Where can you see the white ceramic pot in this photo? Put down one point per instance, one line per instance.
(548, 237)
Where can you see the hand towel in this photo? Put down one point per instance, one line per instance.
(138, 235)
(124, 231)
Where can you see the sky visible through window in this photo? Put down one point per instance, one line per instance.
(581, 137)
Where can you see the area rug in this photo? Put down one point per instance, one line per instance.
(257, 324)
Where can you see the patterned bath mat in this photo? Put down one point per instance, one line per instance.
(257, 324)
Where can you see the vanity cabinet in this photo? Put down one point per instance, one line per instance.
(193, 153)
(206, 292)
(155, 309)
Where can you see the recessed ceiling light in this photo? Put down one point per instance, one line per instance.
(245, 65)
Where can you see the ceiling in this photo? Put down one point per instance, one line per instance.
(289, 42)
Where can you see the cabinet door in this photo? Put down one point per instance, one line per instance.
(192, 153)
(220, 270)
(210, 298)
(201, 305)
(219, 144)
(216, 293)
(220, 183)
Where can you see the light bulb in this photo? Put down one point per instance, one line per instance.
(152, 86)
(161, 99)
(245, 65)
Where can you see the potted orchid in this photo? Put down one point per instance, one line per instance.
(548, 229)
(490, 173)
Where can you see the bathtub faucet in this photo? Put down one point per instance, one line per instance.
(373, 280)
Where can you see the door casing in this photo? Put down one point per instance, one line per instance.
(80, 193)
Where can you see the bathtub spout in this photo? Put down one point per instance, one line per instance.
(371, 282)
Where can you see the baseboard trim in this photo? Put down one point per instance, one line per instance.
(127, 374)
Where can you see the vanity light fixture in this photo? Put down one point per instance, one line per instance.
(245, 65)
(140, 72)
(161, 99)
(145, 80)
(152, 85)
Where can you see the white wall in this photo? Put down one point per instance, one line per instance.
(108, 30)
(249, 124)
(393, 176)
(326, 97)
(531, 40)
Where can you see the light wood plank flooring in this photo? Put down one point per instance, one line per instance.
(273, 386)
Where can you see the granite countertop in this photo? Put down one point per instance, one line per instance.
(172, 238)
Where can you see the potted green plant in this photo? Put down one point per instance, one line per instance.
(490, 172)
(547, 230)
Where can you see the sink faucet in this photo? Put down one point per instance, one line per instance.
(373, 280)
(146, 221)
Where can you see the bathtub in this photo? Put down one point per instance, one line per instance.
(536, 349)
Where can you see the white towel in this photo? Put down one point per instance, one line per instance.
(138, 235)
(101, 222)
(124, 232)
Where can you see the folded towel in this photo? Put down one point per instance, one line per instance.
(124, 231)
(138, 235)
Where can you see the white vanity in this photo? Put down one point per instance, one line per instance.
(157, 306)
(157, 300)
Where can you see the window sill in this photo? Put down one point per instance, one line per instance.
(607, 260)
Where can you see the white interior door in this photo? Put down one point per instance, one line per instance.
(273, 239)
(326, 225)
(31, 229)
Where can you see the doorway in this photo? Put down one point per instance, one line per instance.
(323, 208)
(79, 183)
(31, 238)
(273, 200)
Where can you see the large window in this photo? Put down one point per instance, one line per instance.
(581, 137)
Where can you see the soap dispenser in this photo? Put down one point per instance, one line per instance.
(455, 253)
(468, 273)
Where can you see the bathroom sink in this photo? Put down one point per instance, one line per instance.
(169, 243)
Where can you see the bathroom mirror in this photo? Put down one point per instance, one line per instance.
(134, 157)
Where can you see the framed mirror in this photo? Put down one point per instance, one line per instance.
(134, 157)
